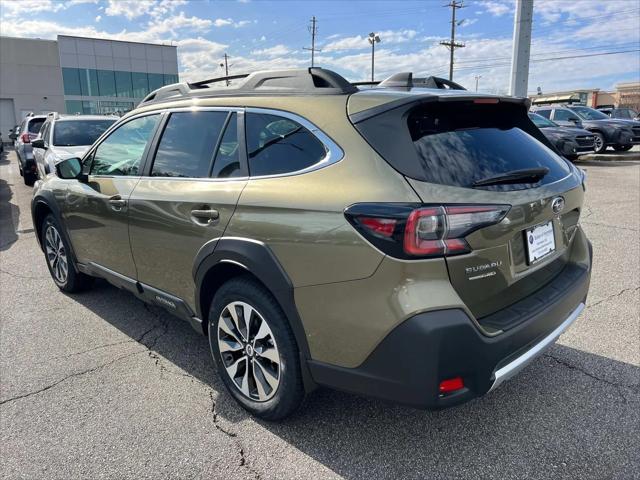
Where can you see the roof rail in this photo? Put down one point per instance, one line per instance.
(317, 81)
(407, 80)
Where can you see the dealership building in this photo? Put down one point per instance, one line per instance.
(78, 75)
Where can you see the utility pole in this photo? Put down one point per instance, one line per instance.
(226, 67)
(477, 77)
(523, 19)
(313, 29)
(451, 44)
(373, 39)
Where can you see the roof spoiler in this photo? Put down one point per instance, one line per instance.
(406, 80)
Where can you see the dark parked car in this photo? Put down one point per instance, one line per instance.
(571, 142)
(621, 113)
(608, 132)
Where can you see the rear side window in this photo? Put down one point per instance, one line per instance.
(544, 113)
(458, 144)
(188, 144)
(35, 125)
(277, 145)
(227, 162)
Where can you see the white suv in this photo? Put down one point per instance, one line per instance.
(67, 136)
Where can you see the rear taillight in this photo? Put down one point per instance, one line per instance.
(25, 137)
(414, 231)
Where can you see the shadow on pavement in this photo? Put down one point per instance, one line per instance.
(556, 418)
(9, 212)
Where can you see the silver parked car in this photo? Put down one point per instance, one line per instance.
(66, 136)
(29, 129)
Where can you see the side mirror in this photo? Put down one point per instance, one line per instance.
(39, 143)
(70, 169)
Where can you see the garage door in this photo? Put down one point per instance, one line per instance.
(7, 117)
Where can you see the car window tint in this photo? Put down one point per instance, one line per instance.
(44, 132)
(35, 125)
(544, 113)
(564, 115)
(227, 162)
(121, 152)
(70, 133)
(278, 145)
(187, 145)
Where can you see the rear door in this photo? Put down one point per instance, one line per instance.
(448, 152)
(185, 199)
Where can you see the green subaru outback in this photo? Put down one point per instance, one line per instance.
(411, 241)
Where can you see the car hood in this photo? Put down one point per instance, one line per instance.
(62, 153)
(610, 123)
(565, 132)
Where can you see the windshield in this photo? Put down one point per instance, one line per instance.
(71, 133)
(587, 113)
(540, 121)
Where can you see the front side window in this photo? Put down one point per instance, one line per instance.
(188, 144)
(544, 113)
(564, 115)
(277, 145)
(589, 113)
(122, 151)
(71, 133)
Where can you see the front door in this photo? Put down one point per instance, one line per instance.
(187, 197)
(97, 211)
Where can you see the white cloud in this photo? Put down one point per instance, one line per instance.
(224, 22)
(275, 51)
(98, 18)
(498, 8)
(13, 8)
(129, 8)
(360, 42)
(467, 22)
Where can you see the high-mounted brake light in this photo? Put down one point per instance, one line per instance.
(486, 100)
(415, 231)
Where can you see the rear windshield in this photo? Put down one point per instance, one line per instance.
(460, 143)
(71, 133)
(35, 125)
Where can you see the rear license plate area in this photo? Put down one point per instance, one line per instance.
(540, 242)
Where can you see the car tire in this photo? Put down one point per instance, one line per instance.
(59, 260)
(622, 148)
(29, 178)
(600, 145)
(259, 365)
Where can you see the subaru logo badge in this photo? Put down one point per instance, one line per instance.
(557, 205)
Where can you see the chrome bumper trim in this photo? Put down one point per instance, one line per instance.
(505, 373)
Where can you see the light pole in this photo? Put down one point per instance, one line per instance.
(373, 39)
(477, 77)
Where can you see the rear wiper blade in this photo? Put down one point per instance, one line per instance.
(527, 175)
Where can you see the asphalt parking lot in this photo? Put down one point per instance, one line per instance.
(98, 385)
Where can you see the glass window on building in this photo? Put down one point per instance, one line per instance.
(140, 84)
(156, 80)
(88, 82)
(73, 106)
(89, 108)
(123, 84)
(71, 81)
(170, 78)
(106, 83)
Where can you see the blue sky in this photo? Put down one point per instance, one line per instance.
(271, 34)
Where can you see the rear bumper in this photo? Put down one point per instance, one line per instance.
(409, 364)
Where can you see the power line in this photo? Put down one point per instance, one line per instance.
(313, 29)
(451, 44)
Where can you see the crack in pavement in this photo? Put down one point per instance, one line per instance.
(611, 226)
(610, 297)
(635, 388)
(98, 367)
(18, 275)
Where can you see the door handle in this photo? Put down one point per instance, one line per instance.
(117, 203)
(206, 216)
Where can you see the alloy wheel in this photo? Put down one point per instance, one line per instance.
(249, 351)
(598, 142)
(56, 254)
